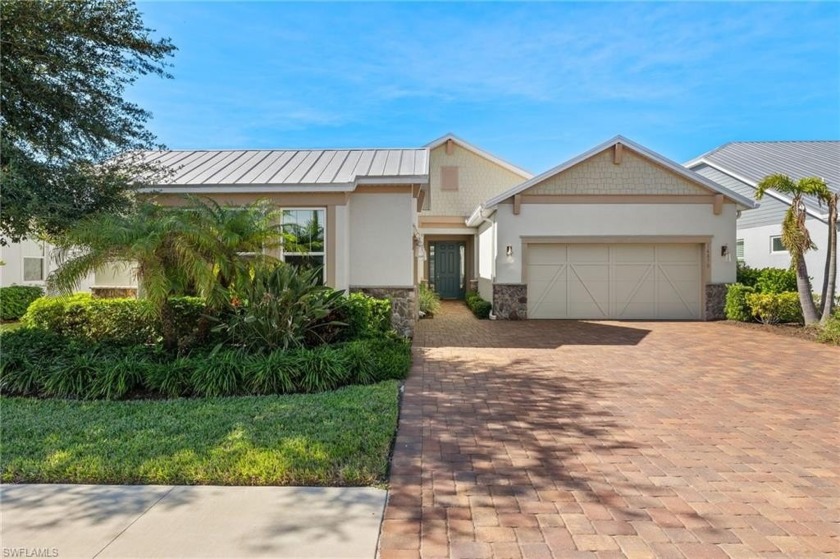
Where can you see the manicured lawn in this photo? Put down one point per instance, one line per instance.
(332, 438)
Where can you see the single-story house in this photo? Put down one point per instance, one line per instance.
(740, 166)
(617, 232)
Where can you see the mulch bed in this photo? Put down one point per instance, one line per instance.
(789, 330)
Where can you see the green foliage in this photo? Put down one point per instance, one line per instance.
(736, 307)
(43, 363)
(365, 316)
(329, 439)
(746, 275)
(65, 68)
(775, 280)
(194, 250)
(322, 368)
(428, 300)
(218, 374)
(116, 321)
(480, 308)
(15, 299)
(391, 358)
(830, 331)
(772, 308)
(767, 280)
(279, 309)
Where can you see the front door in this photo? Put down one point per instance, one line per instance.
(448, 272)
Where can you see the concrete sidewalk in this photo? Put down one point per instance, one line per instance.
(107, 521)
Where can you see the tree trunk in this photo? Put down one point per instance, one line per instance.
(830, 281)
(169, 330)
(803, 286)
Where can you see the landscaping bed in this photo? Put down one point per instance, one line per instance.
(334, 438)
(791, 330)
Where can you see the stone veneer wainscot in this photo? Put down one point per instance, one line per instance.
(716, 301)
(510, 301)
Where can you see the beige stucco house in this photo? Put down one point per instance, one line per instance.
(617, 232)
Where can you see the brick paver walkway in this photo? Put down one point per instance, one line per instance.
(606, 439)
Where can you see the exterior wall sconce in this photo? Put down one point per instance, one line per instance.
(724, 250)
(509, 251)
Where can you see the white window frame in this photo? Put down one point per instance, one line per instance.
(772, 249)
(44, 270)
(323, 253)
(739, 244)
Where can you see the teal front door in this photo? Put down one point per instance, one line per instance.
(448, 272)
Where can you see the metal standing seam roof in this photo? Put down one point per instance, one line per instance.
(752, 161)
(309, 167)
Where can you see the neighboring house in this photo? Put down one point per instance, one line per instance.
(617, 232)
(740, 166)
(29, 263)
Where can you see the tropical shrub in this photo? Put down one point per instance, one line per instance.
(767, 280)
(116, 321)
(775, 280)
(355, 316)
(41, 363)
(202, 251)
(480, 308)
(747, 275)
(279, 309)
(366, 316)
(736, 307)
(428, 300)
(15, 299)
(830, 331)
(772, 308)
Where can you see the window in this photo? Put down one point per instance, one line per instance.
(305, 246)
(776, 244)
(739, 250)
(34, 264)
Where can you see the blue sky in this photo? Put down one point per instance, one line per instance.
(534, 83)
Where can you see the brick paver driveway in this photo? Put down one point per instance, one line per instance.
(636, 439)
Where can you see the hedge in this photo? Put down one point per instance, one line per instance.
(15, 299)
(40, 363)
(480, 308)
(736, 307)
(767, 280)
(117, 321)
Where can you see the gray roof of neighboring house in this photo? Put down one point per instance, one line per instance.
(294, 167)
(756, 160)
(752, 161)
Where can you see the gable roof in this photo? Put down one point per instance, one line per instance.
(750, 162)
(481, 153)
(641, 150)
(287, 170)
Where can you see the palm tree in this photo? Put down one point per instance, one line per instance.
(795, 236)
(830, 281)
(196, 249)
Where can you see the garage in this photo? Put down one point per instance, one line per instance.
(614, 281)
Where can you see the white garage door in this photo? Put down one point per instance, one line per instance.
(621, 281)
